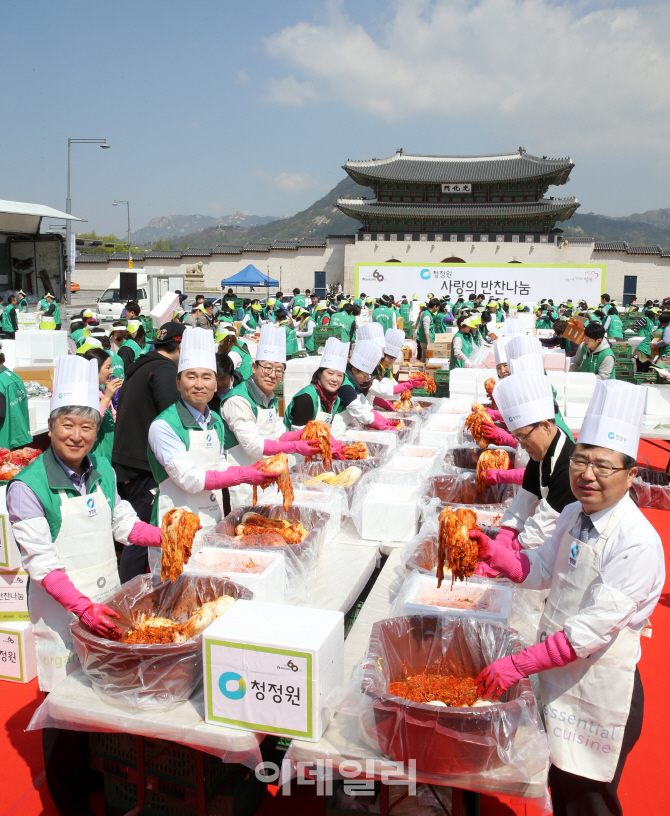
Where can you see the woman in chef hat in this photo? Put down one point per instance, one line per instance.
(253, 427)
(357, 379)
(604, 568)
(186, 442)
(384, 386)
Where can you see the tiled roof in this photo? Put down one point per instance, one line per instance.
(354, 207)
(313, 242)
(454, 169)
(256, 247)
(610, 246)
(91, 259)
(644, 250)
(226, 249)
(164, 253)
(202, 253)
(285, 244)
(123, 256)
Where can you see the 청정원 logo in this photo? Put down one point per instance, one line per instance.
(90, 503)
(232, 677)
(425, 274)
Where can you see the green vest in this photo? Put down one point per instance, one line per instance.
(105, 441)
(384, 316)
(241, 390)
(57, 315)
(180, 419)
(648, 327)
(543, 323)
(590, 362)
(245, 366)
(7, 324)
(133, 346)
(45, 477)
(252, 324)
(346, 321)
(645, 346)
(117, 366)
(79, 335)
(15, 430)
(404, 312)
(316, 402)
(309, 341)
(43, 305)
(358, 302)
(421, 335)
(299, 300)
(22, 305)
(615, 328)
(454, 362)
(348, 380)
(291, 340)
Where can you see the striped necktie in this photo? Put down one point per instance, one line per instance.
(587, 526)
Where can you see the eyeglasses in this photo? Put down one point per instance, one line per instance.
(522, 439)
(604, 471)
(269, 371)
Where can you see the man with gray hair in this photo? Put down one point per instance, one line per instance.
(66, 514)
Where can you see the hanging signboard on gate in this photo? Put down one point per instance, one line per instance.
(525, 283)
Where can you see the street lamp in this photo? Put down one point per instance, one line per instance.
(68, 209)
(127, 203)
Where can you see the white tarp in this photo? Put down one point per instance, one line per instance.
(21, 216)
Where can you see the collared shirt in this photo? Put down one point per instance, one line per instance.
(258, 395)
(239, 416)
(164, 442)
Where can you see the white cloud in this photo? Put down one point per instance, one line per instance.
(290, 182)
(288, 91)
(550, 74)
(242, 77)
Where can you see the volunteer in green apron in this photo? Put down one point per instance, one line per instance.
(22, 302)
(404, 311)
(319, 400)
(109, 385)
(384, 386)
(14, 419)
(10, 323)
(252, 425)
(127, 347)
(346, 320)
(306, 329)
(48, 314)
(613, 325)
(595, 354)
(426, 327)
(384, 315)
(461, 345)
(66, 514)
(604, 569)
(238, 353)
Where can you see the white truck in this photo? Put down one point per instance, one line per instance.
(152, 285)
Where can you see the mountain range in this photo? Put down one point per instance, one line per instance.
(322, 219)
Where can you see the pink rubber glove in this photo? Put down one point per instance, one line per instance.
(337, 449)
(413, 383)
(498, 436)
(497, 677)
(495, 415)
(498, 555)
(510, 536)
(291, 436)
(145, 535)
(494, 477)
(233, 476)
(304, 448)
(61, 589)
(385, 405)
(483, 569)
(380, 424)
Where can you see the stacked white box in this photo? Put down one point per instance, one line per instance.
(18, 658)
(483, 374)
(298, 374)
(389, 512)
(578, 392)
(443, 431)
(13, 596)
(34, 348)
(270, 667)
(269, 584)
(9, 350)
(559, 380)
(657, 403)
(463, 384)
(38, 413)
(554, 360)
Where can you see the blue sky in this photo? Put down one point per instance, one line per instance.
(216, 106)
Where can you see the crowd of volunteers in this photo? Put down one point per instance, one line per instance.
(138, 426)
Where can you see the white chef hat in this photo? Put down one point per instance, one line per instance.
(529, 362)
(371, 331)
(76, 383)
(523, 399)
(614, 416)
(514, 328)
(499, 350)
(271, 345)
(393, 342)
(196, 350)
(522, 344)
(366, 356)
(335, 355)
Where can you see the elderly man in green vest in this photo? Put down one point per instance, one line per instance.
(66, 515)
(595, 354)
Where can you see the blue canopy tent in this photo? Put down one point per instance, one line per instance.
(249, 276)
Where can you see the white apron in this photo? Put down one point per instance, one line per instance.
(266, 427)
(86, 549)
(204, 448)
(586, 703)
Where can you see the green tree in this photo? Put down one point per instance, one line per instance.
(185, 246)
(162, 243)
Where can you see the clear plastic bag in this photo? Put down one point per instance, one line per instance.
(479, 356)
(299, 558)
(157, 675)
(458, 487)
(445, 741)
(385, 506)
(413, 421)
(449, 405)
(311, 469)
(467, 455)
(420, 460)
(651, 489)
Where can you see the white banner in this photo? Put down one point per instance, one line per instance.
(518, 283)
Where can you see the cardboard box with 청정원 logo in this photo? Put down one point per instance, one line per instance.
(13, 595)
(10, 555)
(18, 658)
(270, 667)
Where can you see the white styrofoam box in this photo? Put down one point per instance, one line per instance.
(38, 413)
(463, 383)
(401, 464)
(27, 321)
(442, 430)
(14, 595)
(453, 405)
(558, 379)
(264, 573)
(553, 360)
(438, 362)
(418, 452)
(634, 342)
(483, 374)
(270, 667)
(326, 500)
(10, 556)
(388, 438)
(298, 374)
(658, 400)
(40, 347)
(18, 658)
(390, 512)
(478, 599)
(578, 393)
(9, 350)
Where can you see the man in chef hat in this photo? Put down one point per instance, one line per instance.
(384, 385)
(66, 514)
(252, 425)
(353, 403)
(604, 568)
(526, 405)
(186, 442)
